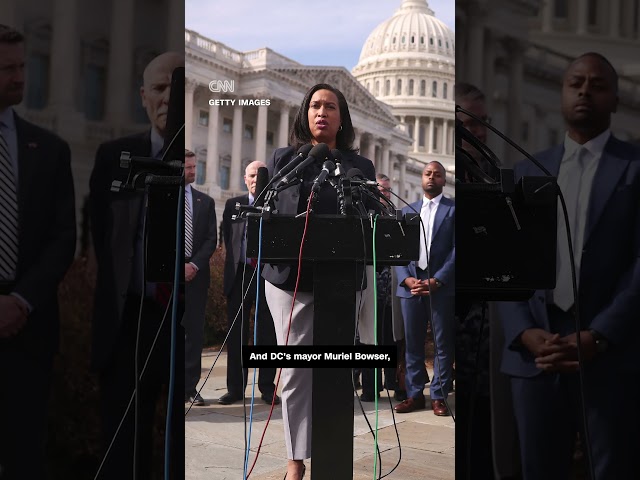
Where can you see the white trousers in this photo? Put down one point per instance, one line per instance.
(296, 382)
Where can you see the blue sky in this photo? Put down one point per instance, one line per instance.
(331, 32)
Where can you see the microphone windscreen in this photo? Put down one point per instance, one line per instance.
(262, 180)
(355, 173)
(337, 155)
(319, 151)
(304, 150)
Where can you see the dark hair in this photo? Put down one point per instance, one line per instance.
(604, 60)
(188, 153)
(382, 177)
(441, 165)
(301, 133)
(10, 35)
(467, 91)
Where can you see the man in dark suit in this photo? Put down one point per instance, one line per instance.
(117, 221)
(37, 245)
(427, 286)
(599, 177)
(238, 271)
(200, 243)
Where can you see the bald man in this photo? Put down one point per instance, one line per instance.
(117, 228)
(238, 271)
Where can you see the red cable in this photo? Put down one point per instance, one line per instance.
(295, 293)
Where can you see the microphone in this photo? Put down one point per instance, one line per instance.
(328, 168)
(337, 157)
(302, 153)
(262, 180)
(319, 152)
(356, 176)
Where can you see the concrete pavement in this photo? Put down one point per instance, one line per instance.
(214, 438)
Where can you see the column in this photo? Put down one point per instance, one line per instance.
(430, 146)
(547, 16)
(356, 141)
(475, 46)
(236, 149)
(416, 135)
(514, 106)
(371, 150)
(283, 131)
(582, 13)
(120, 63)
(402, 163)
(64, 55)
(488, 81)
(175, 27)
(212, 147)
(10, 16)
(189, 90)
(261, 134)
(445, 126)
(614, 19)
(385, 159)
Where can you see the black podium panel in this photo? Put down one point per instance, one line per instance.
(505, 253)
(335, 245)
(333, 237)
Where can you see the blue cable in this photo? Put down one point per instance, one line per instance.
(375, 341)
(174, 321)
(255, 341)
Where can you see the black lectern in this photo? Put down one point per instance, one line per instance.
(336, 245)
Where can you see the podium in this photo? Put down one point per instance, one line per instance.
(337, 246)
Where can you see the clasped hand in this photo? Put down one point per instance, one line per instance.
(554, 353)
(13, 315)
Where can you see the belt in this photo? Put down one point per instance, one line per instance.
(187, 259)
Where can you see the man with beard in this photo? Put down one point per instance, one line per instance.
(426, 290)
(599, 177)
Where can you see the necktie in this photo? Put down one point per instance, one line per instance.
(425, 215)
(563, 293)
(8, 215)
(188, 228)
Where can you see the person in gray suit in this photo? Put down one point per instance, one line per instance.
(200, 243)
(427, 286)
(238, 272)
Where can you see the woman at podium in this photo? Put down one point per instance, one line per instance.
(323, 118)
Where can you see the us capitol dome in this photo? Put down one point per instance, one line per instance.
(408, 62)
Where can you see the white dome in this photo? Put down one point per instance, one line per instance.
(412, 29)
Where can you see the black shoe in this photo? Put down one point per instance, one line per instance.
(304, 470)
(368, 397)
(267, 398)
(229, 398)
(400, 395)
(196, 400)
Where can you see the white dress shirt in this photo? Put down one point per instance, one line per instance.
(428, 215)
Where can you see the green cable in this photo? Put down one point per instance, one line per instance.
(375, 341)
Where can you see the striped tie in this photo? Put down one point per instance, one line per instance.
(8, 215)
(188, 228)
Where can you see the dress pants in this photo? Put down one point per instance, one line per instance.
(415, 313)
(548, 414)
(193, 323)
(296, 382)
(117, 383)
(24, 372)
(236, 375)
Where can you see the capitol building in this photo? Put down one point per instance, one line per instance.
(400, 97)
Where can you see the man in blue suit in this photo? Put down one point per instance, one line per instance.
(599, 176)
(428, 286)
